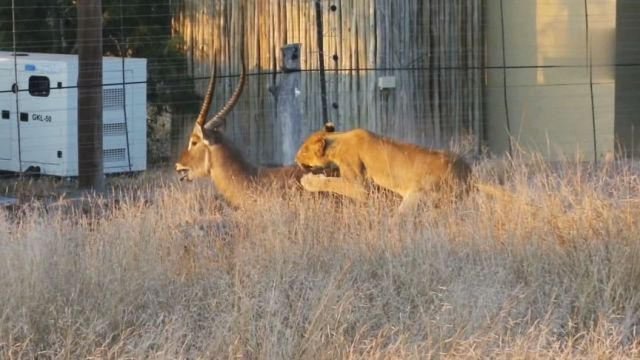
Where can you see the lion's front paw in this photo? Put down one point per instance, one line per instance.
(311, 182)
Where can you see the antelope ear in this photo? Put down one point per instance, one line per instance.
(197, 130)
(201, 132)
(223, 125)
(329, 127)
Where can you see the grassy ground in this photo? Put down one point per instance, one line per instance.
(168, 271)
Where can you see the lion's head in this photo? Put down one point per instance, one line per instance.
(311, 155)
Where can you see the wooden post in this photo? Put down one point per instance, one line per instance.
(288, 108)
(90, 167)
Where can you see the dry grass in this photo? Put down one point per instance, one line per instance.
(552, 272)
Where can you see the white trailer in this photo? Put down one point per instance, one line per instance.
(39, 122)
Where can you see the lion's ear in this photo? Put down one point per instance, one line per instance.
(322, 145)
(329, 127)
(319, 150)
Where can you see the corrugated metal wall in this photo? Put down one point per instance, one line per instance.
(433, 48)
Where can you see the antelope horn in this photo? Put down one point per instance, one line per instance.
(206, 104)
(218, 119)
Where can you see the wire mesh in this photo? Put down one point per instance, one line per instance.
(539, 74)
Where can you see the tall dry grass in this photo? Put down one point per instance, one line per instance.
(168, 271)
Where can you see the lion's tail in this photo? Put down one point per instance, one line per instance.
(494, 191)
(499, 193)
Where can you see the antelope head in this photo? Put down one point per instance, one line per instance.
(196, 160)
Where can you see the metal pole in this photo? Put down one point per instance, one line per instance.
(124, 87)
(16, 88)
(589, 58)
(504, 79)
(323, 81)
(90, 166)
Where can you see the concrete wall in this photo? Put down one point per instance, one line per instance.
(549, 93)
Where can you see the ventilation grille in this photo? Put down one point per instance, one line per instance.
(112, 99)
(115, 129)
(113, 155)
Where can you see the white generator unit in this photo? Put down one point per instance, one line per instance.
(39, 120)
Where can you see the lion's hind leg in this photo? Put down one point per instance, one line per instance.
(411, 201)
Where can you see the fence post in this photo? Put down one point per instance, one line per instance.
(90, 166)
(288, 108)
(323, 80)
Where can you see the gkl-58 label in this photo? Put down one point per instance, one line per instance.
(41, 117)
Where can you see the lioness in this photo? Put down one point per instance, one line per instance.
(413, 172)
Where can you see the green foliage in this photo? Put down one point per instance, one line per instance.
(143, 29)
(41, 25)
(131, 28)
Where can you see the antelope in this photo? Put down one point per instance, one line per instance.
(211, 153)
